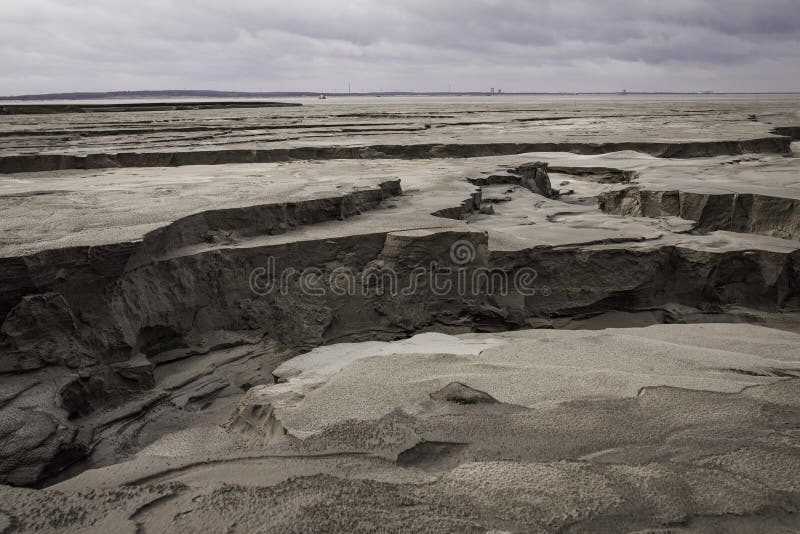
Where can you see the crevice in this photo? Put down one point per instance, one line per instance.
(532, 176)
(602, 175)
(433, 456)
(788, 131)
(187, 288)
(780, 373)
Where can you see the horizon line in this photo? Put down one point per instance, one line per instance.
(178, 93)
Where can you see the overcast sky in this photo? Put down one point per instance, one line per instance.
(424, 45)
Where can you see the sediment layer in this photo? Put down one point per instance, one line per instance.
(734, 212)
(52, 162)
(105, 318)
(163, 310)
(789, 131)
(48, 109)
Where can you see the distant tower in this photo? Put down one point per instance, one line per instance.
(492, 91)
(624, 92)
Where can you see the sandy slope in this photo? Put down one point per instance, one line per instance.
(675, 425)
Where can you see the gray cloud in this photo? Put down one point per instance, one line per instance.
(565, 45)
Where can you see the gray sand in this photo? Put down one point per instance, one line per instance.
(649, 383)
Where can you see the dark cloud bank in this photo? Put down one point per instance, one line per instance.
(424, 45)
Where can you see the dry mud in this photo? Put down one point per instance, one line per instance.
(430, 315)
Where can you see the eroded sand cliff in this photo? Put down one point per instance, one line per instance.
(349, 333)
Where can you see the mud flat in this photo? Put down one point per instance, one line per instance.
(440, 316)
(46, 109)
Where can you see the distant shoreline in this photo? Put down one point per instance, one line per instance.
(300, 94)
(32, 107)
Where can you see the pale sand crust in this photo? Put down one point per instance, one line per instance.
(575, 442)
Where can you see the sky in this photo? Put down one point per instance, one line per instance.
(399, 45)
